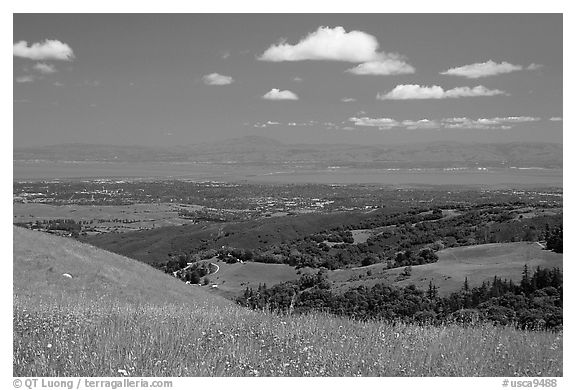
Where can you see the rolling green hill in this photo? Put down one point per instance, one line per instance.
(41, 259)
(478, 263)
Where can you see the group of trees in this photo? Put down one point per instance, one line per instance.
(335, 235)
(554, 239)
(65, 225)
(196, 273)
(534, 303)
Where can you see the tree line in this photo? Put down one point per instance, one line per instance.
(534, 303)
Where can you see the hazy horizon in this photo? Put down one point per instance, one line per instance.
(289, 143)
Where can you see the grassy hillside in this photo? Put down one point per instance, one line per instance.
(41, 259)
(232, 279)
(117, 316)
(478, 263)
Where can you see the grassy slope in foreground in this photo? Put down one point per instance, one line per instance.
(118, 316)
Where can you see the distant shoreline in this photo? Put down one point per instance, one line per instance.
(415, 176)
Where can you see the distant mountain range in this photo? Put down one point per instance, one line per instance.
(264, 150)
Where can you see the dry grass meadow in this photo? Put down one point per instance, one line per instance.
(118, 317)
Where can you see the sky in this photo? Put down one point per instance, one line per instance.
(178, 79)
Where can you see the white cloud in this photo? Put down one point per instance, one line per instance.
(91, 83)
(556, 119)
(495, 123)
(384, 67)
(488, 68)
(297, 79)
(498, 123)
(413, 91)
(25, 79)
(335, 44)
(47, 50)
(347, 100)
(420, 124)
(45, 68)
(217, 79)
(332, 44)
(381, 123)
(276, 94)
(482, 69)
(274, 123)
(517, 119)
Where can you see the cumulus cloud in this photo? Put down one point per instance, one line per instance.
(217, 79)
(91, 83)
(336, 44)
(266, 124)
(488, 68)
(25, 79)
(381, 123)
(332, 44)
(347, 100)
(47, 50)
(556, 119)
(384, 67)
(45, 68)
(414, 91)
(290, 124)
(276, 94)
(517, 119)
(420, 124)
(497, 123)
(389, 123)
(482, 69)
